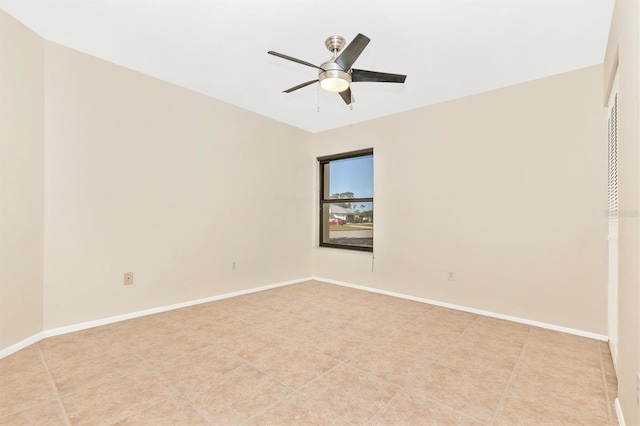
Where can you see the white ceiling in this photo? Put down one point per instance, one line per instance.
(447, 48)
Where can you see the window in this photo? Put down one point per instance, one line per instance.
(346, 200)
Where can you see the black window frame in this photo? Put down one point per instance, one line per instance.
(322, 161)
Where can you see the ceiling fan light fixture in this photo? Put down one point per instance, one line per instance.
(334, 81)
(337, 74)
(334, 85)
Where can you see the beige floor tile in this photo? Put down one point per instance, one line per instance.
(368, 299)
(340, 300)
(562, 343)
(470, 395)
(391, 365)
(352, 394)
(397, 317)
(303, 307)
(568, 394)
(427, 344)
(356, 311)
(255, 344)
(295, 329)
(315, 310)
(563, 353)
(79, 346)
(411, 409)
(296, 410)
(212, 311)
(516, 410)
(409, 307)
(21, 390)
(24, 362)
(225, 328)
(279, 300)
(234, 305)
(334, 289)
(49, 413)
(326, 319)
(493, 364)
(264, 315)
(607, 363)
(368, 328)
(129, 334)
(189, 370)
(431, 323)
(117, 399)
(74, 374)
(166, 347)
(442, 317)
(582, 368)
(237, 395)
(295, 366)
(176, 411)
(611, 382)
(339, 344)
(495, 332)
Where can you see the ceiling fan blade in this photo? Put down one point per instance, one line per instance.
(289, 58)
(380, 77)
(346, 96)
(352, 52)
(300, 86)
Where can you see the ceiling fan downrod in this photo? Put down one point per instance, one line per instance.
(334, 44)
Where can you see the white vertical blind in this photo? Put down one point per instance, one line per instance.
(612, 169)
(612, 213)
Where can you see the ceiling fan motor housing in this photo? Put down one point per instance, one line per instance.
(333, 78)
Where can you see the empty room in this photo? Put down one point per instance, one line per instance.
(290, 212)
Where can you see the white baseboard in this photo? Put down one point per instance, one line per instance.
(562, 329)
(110, 320)
(619, 413)
(123, 317)
(21, 344)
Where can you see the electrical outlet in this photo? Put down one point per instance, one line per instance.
(638, 388)
(128, 278)
(452, 276)
(233, 266)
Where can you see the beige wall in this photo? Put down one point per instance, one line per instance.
(147, 177)
(505, 188)
(623, 54)
(21, 181)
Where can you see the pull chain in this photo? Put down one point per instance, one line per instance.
(318, 98)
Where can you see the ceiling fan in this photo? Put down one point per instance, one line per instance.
(336, 74)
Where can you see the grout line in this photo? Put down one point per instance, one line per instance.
(386, 405)
(55, 387)
(85, 387)
(179, 393)
(299, 390)
(511, 378)
(245, 364)
(293, 390)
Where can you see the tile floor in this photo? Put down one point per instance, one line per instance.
(310, 353)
